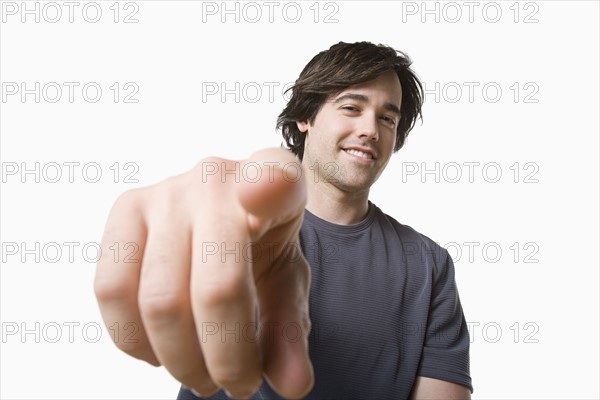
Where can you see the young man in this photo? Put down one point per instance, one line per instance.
(221, 294)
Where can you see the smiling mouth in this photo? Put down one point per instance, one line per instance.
(359, 153)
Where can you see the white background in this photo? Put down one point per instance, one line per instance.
(538, 304)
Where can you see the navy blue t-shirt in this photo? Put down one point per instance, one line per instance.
(384, 309)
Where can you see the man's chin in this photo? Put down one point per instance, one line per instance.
(355, 186)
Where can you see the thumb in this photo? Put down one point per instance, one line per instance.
(285, 325)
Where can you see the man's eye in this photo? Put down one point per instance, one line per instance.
(350, 108)
(389, 120)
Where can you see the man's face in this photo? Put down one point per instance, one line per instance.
(353, 135)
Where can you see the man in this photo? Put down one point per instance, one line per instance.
(221, 294)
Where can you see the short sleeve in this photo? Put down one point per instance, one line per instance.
(446, 347)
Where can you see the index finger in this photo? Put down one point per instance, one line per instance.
(224, 298)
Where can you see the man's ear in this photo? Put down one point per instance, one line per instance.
(302, 126)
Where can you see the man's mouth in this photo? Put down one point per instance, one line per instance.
(359, 153)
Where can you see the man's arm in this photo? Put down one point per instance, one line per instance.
(445, 356)
(430, 389)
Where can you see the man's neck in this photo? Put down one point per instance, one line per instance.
(337, 207)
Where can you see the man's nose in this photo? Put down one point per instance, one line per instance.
(369, 129)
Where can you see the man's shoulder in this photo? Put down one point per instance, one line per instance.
(412, 239)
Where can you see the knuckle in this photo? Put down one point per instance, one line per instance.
(130, 200)
(168, 193)
(222, 291)
(207, 166)
(163, 306)
(110, 290)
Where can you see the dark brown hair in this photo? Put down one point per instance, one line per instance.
(343, 65)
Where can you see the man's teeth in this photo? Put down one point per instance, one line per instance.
(359, 153)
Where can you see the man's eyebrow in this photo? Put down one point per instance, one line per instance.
(364, 99)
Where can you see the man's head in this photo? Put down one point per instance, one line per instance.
(343, 65)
